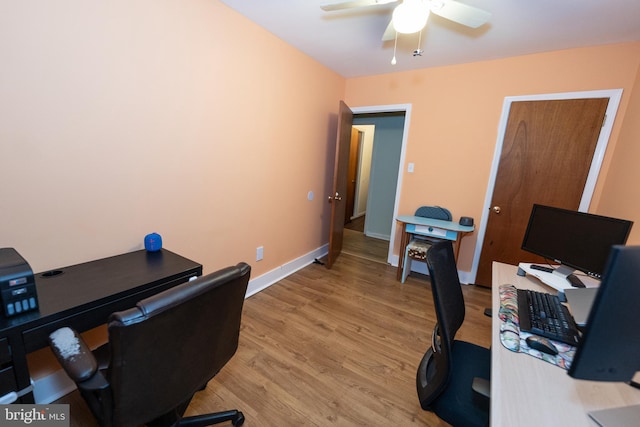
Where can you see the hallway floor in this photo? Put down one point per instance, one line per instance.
(356, 243)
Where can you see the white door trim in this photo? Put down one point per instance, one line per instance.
(406, 108)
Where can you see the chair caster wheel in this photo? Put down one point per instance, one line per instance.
(239, 420)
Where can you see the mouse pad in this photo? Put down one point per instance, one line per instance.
(514, 339)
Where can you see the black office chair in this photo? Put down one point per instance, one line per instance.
(453, 376)
(419, 245)
(161, 353)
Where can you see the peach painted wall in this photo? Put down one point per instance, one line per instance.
(184, 118)
(122, 118)
(621, 192)
(456, 111)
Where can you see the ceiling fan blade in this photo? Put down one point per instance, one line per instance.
(354, 4)
(461, 13)
(389, 33)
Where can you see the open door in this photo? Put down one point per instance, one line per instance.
(340, 172)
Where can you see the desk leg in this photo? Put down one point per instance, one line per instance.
(404, 241)
(456, 244)
(21, 368)
(456, 248)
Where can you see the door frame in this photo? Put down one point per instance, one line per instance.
(614, 96)
(406, 108)
(365, 131)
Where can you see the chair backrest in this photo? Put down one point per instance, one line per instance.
(435, 212)
(450, 311)
(171, 344)
(446, 289)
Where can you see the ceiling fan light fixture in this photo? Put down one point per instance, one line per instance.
(410, 16)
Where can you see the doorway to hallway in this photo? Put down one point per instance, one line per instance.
(356, 243)
(385, 180)
(376, 146)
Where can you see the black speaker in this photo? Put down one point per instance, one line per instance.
(466, 220)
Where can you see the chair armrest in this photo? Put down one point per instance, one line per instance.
(73, 354)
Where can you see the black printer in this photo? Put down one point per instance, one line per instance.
(17, 284)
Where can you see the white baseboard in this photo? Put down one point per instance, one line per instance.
(260, 283)
(421, 267)
(466, 277)
(377, 236)
(52, 387)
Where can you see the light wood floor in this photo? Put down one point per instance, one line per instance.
(355, 242)
(331, 347)
(358, 244)
(356, 224)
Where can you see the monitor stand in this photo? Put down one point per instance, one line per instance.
(563, 270)
(557, 279)
(617, 417)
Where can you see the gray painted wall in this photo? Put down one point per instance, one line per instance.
(387, 146)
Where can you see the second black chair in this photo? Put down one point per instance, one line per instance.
(453, 376)
(160, 353)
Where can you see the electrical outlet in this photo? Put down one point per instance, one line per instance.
(259, 253)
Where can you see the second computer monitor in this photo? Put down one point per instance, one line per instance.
(579, 240)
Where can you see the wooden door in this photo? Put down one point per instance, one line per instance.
(352, 175)
(340, 171)
(546, 155)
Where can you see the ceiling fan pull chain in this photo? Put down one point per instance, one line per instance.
(418, 51)
(393, 60)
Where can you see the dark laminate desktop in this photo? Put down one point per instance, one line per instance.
(83, 296)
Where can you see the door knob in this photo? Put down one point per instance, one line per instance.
(496, 209)
(337, 197)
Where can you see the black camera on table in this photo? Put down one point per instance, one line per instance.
(17, 284)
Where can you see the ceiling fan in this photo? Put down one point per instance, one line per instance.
(410, 16)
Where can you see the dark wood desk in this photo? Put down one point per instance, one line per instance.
(83, 296)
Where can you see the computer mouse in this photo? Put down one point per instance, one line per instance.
(542, 344)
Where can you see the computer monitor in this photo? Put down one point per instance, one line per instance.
(609, 349)
(577, 240)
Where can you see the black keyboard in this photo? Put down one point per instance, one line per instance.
(542, 314)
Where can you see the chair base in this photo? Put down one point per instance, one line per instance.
(459, 404)
(175, 418)
(236, 417)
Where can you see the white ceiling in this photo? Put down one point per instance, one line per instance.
(349, 41)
